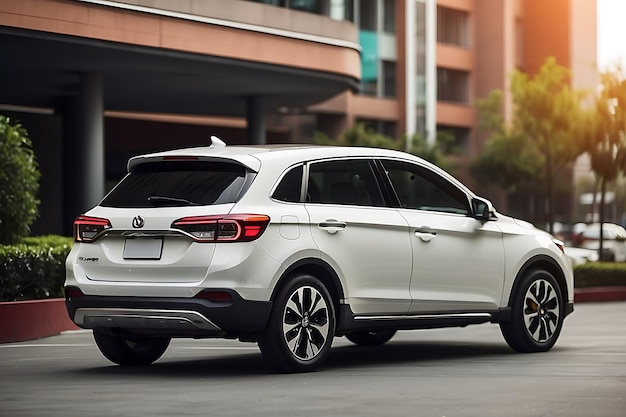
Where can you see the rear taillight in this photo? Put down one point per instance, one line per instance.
(86, 228)
(229, 228)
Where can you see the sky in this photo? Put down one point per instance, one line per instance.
(611, 23)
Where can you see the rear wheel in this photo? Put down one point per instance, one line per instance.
(537, 314)
(301, 326)
(130, 351)
(370, 338)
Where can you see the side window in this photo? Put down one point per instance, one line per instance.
(350, 182)
(418, 188)
(290, 186)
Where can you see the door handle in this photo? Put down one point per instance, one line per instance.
(425, 233)
(332, 226)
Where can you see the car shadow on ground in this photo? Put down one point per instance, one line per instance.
(228, 364)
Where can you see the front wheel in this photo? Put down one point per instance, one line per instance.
(370, 338)
(537, 314)
(130, 351)
(301, 327)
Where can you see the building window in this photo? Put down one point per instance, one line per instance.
(453, 27)
(452, 85)
(335, 9)
(389, 79)
(382, 127)
(368, 15)
(461, 135)
(389, 16)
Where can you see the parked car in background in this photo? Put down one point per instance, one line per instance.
(579, 256)
(290, 246)
(613, 241)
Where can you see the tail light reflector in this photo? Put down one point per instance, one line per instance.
(221, 297)
(73, 292)
(86, 228)
(220, 228)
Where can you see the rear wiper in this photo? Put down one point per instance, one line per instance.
(158, 200)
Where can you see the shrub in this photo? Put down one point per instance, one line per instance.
(600, 274)
(19, 182)
(34, 268)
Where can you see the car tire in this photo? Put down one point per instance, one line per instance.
(301, 327)
(130, 352)
(537, 313)
(370, 338)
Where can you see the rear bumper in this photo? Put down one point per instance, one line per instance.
(171, 317)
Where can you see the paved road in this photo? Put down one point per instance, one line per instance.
(449, 372)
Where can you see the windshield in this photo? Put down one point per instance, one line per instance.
(178, 183)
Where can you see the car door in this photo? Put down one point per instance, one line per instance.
(364, 241)
(458, 261)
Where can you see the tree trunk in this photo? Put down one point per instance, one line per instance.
(602, 192)
(549, 189)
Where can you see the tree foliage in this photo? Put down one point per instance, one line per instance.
(605, 138)
(543, 137)
(506, 160)
(19, 182)
(361, 135)
(605, 133)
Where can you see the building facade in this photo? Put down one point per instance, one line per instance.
(97, 81)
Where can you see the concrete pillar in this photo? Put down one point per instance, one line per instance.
(256, 121)
(83, 150)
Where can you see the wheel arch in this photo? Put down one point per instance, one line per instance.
(322, 271)
(540, 262)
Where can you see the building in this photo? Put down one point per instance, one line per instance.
(96, 81)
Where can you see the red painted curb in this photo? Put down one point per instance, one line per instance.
(599, 294)
(33, 319)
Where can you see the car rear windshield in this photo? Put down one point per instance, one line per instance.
(177, 184)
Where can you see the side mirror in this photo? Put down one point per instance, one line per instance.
(482, 209)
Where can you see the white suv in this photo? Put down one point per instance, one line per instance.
(291, 246)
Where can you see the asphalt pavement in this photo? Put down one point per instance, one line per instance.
(444, 372)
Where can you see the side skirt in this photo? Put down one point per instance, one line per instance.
(350, 322)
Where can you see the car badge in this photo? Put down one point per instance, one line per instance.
(138, 222)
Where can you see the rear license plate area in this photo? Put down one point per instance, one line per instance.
(143, 248)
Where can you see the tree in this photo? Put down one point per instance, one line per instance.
(543, 137)
(361, 135)
(506, 160)
(19, 182)
(605, 138)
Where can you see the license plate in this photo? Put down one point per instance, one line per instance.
(142, 248)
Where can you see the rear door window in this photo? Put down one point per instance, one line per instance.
(179, 183)
(345, 182)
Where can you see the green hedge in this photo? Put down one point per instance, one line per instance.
(33, 268)
(600, 274)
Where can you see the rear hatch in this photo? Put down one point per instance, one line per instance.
(161, 222)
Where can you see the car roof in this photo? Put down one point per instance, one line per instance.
(253, 156)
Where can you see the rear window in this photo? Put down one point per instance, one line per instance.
(177, 184)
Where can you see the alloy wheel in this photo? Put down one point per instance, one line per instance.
(541, 310)
(305, 323)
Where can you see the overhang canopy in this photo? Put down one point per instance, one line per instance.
(41, 69)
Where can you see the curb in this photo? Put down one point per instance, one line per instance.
(599, 294)
(22, 320)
